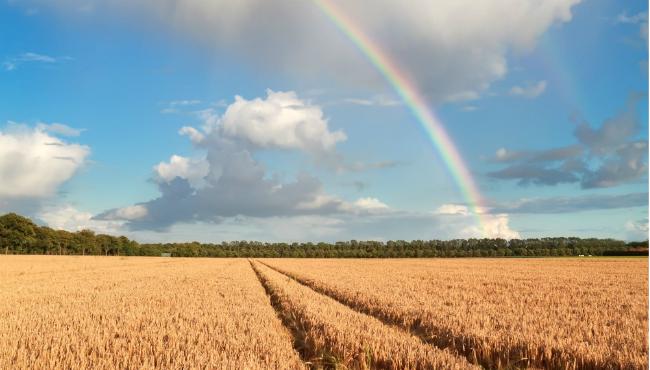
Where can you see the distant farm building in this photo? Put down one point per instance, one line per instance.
(165, 254)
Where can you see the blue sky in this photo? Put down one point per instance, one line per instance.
(122, 117)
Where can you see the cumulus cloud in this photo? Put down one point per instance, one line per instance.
(461, 219)
(529, 91)
(193, 170)
(67, 217)
(493, 226)
(282, 120)
(604, 156)
(228, 181)
(13, 63)
(34, 163)
(453, 49)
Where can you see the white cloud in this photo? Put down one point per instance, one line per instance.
(370, 204)
(505, 155)
(282, 120)
(129, 213)
(175, 106)
(376, 101)
(529, 91)
(67, 217)
(59, 129)
(184, 103)
(461, 96)
(641, 17)
(491, 225)
(451, 48)
(33, 163)
(357, 101)
(194, 134)
(317, 202)
(13, 63)
(192, 169)
(365, 206)
(452, 209)
(637, 230)
(132, 212)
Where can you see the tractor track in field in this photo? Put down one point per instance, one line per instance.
(442, 338)
(290, 323)
(315, 355)
(464, 346)
(387, 320)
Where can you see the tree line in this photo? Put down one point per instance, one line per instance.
(19, 235)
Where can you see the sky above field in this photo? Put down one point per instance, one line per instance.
(328, 120)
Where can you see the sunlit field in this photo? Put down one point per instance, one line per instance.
(135, 312)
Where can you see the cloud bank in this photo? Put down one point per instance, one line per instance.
(454, 49)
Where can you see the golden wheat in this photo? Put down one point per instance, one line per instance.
(104, 312)
(355, 340)
(551, 313)
(138, 313)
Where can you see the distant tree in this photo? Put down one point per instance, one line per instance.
(17, 232)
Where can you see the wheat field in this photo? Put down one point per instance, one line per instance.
(548, 313)
(139, 313)
(65, 312)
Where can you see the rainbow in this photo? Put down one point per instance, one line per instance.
(414, 100)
